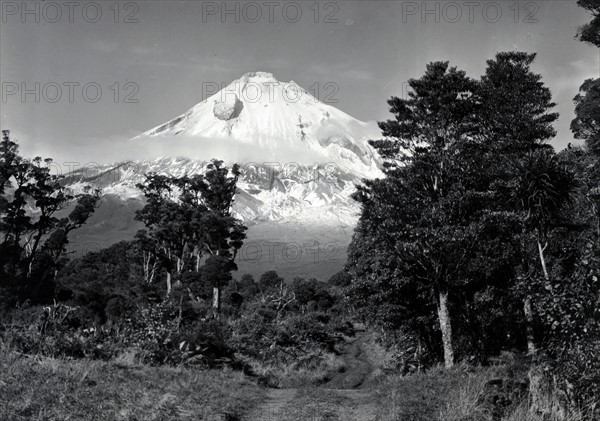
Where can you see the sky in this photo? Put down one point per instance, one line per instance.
(107, 71)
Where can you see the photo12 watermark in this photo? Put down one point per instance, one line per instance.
(70, 92)
(270, 11)
(269, 91)
(289, 252)
(69, 11)
(470, 11)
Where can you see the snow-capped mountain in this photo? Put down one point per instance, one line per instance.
(280, 119)
(275, 120)
(258, 110)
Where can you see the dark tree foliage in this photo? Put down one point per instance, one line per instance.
(569, 303)
(269, 282)
(247, 286)
(106, 284)
(34, 227)
(528, 185)
(340, 279)
(514, 114)
(419, 226)
(586, 125)
(312, 294)
(467, 214)
(590, 32)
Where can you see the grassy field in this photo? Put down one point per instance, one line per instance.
(44, 389)
(47, 389)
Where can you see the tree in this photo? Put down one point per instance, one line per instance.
(32, 233)
(586, 125)
(247, 286)
(516, 123)
(191, 217)
(420, 218)
(216, 272)
(269, 282)
(224, 233)
(590, 32)
(514, 115)
(166, 237)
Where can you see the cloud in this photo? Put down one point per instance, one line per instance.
(230, 150)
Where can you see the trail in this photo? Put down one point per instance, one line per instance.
(274, 407)
(342, 398)
(357, 365)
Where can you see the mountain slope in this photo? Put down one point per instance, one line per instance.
(259, 110)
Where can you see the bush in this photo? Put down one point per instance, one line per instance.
(269, 282)
(312, 295)
(159, 333)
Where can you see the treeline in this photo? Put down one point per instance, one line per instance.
(108, 286)
(481, 238)
(270, 327)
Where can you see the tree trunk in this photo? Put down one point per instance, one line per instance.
(152, 272)
(217, 294)
(527, 309)
(217, 299)
(543, 260)
(168, 283)
(446, 328)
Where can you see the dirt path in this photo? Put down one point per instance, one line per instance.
(275, 407)
(316, 405)
(357, 366)
(342, 398)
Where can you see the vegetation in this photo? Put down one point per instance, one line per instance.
(188, 219)
(481, 227)
(33, 236)
(590, 32)
(478, 250)
(51, 389)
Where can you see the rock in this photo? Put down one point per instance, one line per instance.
(228, 109)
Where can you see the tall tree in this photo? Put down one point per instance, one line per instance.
(159, 215)
(225, 233)
(516, 123)
(420, 214)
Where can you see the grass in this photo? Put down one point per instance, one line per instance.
(47, 389)
(44, 389)
(455, 395)
(416, 397)
(313, 370)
